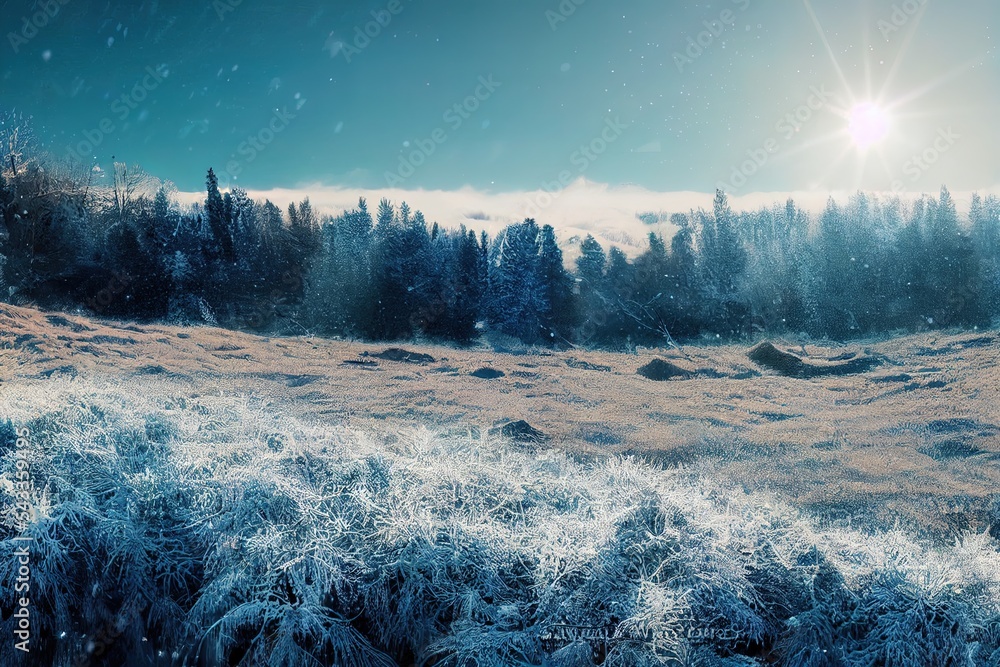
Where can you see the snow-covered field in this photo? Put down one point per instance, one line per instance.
(197, 500)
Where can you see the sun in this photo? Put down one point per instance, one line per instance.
(868, 125)
(875, 124)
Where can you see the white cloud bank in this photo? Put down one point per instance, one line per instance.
(608, 212)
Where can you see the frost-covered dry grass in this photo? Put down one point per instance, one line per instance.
(915, 441)
(217, 530)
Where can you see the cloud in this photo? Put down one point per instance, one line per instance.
(608, 212)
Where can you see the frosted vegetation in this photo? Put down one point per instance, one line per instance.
(214, 531)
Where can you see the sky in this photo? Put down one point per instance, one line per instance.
(496, 109)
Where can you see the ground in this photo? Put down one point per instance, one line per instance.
(914, 440)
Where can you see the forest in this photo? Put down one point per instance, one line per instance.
(125, 249)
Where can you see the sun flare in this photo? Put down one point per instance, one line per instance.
(868, 125)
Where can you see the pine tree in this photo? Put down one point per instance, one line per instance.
(621, 281)
(953, 269)
(218, 220)
(386, 215)
(440, 285)
(731, 255)
(594, 304)
(985, 219)
(396, 244)
(517, 303)
(591, 263)
(558, 309)
(163, 215)
(832, 273)
(246, 242)
(422, 281)
(305, 229)
(653, 306)
(354, 264)
(469, 289)
(681, 281)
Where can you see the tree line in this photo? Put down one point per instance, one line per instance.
(127, 250)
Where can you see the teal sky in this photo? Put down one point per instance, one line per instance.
(606, 76)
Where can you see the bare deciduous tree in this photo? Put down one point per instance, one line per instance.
(16, 140)
(129, 184)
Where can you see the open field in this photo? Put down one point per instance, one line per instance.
(915, 440)
(200, 497)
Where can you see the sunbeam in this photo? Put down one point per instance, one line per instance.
(871, 122)
(907, 40)
(951, 75)
(829, 50)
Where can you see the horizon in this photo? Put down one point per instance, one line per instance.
(581, 208)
